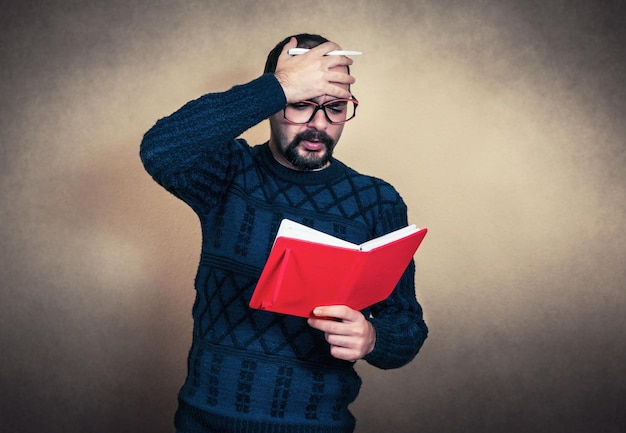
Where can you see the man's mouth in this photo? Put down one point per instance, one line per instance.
(315, 141)
(313, 145)
(310, 150)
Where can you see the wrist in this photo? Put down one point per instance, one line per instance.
(372, 339)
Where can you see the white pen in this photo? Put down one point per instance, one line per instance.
(297, 51)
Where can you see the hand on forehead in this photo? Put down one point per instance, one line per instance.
(313, 74)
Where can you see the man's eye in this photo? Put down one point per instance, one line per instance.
(336, 107)
(301, 106)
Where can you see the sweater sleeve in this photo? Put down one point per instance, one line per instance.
(398, 321)
(400, 327)
(191, 152)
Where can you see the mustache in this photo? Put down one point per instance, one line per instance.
(313, 135)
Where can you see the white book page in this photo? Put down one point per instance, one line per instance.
(292, 229)
(388, 238)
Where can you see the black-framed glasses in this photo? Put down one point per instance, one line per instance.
(337, 111)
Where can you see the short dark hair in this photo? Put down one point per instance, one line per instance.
(305, 40)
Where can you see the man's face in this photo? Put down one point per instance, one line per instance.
(304, 147)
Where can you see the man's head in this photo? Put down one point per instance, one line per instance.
(304, 146)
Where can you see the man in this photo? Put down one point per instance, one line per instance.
(251, 370)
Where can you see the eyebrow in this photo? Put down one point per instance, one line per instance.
(316, 99)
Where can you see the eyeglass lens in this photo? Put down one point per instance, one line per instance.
(336, 111)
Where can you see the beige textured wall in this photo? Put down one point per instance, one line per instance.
(500, 122)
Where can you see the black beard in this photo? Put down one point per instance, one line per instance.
(311, 161)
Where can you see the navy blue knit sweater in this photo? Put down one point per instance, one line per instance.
(256, 371)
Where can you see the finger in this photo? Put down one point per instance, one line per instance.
(336, 61)
(340, 84)
(337, 92)
(340, 340)
(328, 326)
(344, 353)
(339, 77)
(324, 48)
(342, 312)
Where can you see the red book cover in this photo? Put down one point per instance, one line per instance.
(307, 268)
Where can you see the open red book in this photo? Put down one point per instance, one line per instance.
(307, 268)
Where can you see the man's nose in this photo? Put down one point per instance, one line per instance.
(319, 120)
